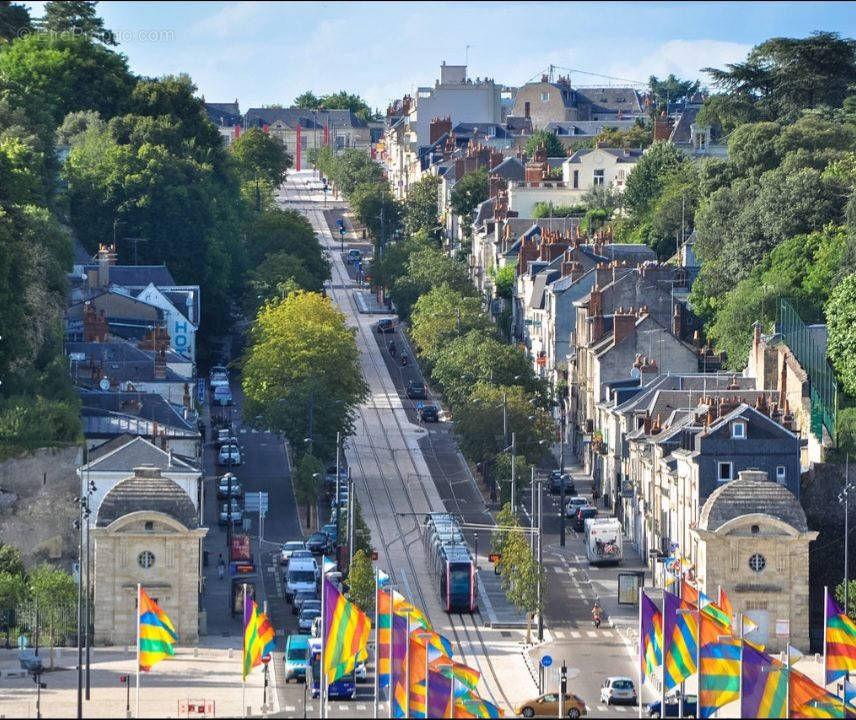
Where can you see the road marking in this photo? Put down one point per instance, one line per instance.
(602, 708)
(576, 634)
(343, 707)
(591, 633)
(607, 633)
(618, 708)
(308, 708)
(290, 708)
(362, 707)
(558, 633)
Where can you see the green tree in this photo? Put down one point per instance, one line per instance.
(504, 519)
(645, 182)
(602, 197)
(441, 315)
(752, 148)
(426, 269)
(259, 155)
(378, 210)
(671, 89)
(55, 593)
(469, 192)
(302, 357)
(14, 21)
(504, 281)
(308, 100)
(521, 577)
(274, 274)
(543, 210)
(289, 232)
(344, 100)
(78, 19)
(13, 589)
(361, 583)
(308, 482)
(479, 356)
(502, 476)
(841, 323)
(75, 125)
(394, 262)
(420, 207)
(637, 136)
(10, 560)
(546, 139)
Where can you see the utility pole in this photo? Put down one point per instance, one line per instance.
(562, 480)
(338, 494)
(844, 497)
(513, 469)
(504, 413)
(351, 518)
(541, 563)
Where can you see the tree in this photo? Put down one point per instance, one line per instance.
(502, 476)
(469, 192)
(308, 481)
(307, 100)
(441, 315)
(543, 209)
(394, 262)
(302, 363)
(344, 100)
(521, 577)
(645, 182)
(602, 197)
(75, 125)
(426, 269)
(13, 589)
(421, 205)
(504, 281)
(378, 210)
(289, 232)
(504, 519)
(546, 139)
(10, 560)
(841, 324)
(479, 356)
(671, 89)
(55, 594)
(752, 148)
(637, 136)
(78, 19)
(361, 583)
(14, 21)
(277, 272)
(260, 155)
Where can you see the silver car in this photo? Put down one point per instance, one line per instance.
(288, 550)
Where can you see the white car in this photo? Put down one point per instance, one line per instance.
(574, 504)
(618, 690)
(288, 549)
(229, 455)
(360, 671)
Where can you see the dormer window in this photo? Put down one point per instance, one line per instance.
(738, 430)
(545, 97)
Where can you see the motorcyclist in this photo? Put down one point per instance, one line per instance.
(596, 613)
(391, 347)
(404, 358)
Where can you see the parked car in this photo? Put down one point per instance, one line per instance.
(231, 511)
(557, 479)
(223, 436)
(331, 474)
(387, 325)
(331, 531)
(318, 543)
(296, 649)
(618, 690)
(288, 549)
(354, 254)
(583, 514)
(547, 705)
(218, 377)
(229, 455)
(427, 412)
(673, 707)
(302, 597)
(303, 554)
(342, 499)
(574, 504)
(416, 390)
(223, 396)
(229, 487)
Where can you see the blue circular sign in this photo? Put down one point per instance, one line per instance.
(546, 661)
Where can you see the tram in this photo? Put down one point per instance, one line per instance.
(450, 563)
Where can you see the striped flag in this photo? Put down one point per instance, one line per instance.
(719, 674)
(346, 630)
(680, 633)
(259, 637)
(713, 611)
(425, 646)
(725, 604)
(651, 646)
(765, 685)
(840, 642)
(804, 693)
(466, 676)
(689, 593)
(477, 708)
(397, 677)
(157, 635)
(400, 608)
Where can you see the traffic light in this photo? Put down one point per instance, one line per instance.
(564, 689)
(342, 231)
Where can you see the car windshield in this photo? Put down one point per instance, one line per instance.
(293, 546)
(297, 654)
(318, 537)
(301, 576)
(622, 685)
(312, 604)
(308, 613)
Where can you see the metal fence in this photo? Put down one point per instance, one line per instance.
(822, 382)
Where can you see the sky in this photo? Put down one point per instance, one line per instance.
(262, 53)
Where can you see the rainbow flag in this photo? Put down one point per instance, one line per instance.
(765, 685)
(425, 646)
(804, 692)
(716, 613)
(840, 642)
(466, 676)
(346, 629)
(725, 606)
(651, 646)
(259, 636)
(477, 708)
(400, 609)
(719, 673)
(827, 706)
(689, 593)
(397, 675)
(680, 634)
(157, 635)
(440, 689)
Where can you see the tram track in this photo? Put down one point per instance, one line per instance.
(470, 650)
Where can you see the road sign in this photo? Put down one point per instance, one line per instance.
(546, 661)
(494, 557)
(200, 390)
(256, 502)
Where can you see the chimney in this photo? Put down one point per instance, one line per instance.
(662, 127)
(95, 325)
(623, 324)
(676, 321)
(596, 300)
(459, 168)
(603, 274)
(495, 159)
(236, 133)
(626, 148)
(648, 423)
(438, 128)
(170, 457)
(265, 128)
(783, 380)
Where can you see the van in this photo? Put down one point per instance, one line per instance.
(302, 574)
(222, 395)
(296, 649)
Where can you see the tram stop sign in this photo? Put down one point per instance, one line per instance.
(546, 661)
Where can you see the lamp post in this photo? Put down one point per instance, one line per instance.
(78, 525)
(844, 499)
(90, 488)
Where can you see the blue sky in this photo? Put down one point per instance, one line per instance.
(269, 52)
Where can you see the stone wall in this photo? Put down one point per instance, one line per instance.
(37, 506)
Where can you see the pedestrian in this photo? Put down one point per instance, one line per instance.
(221, 566)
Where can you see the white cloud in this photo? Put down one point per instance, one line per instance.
(232, 19)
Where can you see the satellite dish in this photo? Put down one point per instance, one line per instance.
(104, 384)
(635, 373)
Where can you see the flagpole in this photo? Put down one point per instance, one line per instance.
(376, 643)
(139, 607)
(244, 654)
(663, 647)
(426, 678)
(788, 671)
(322, 675)
(390, 692)
(407, 671)
(452, 696)
(740, 617)
(641, 590)
(825, 621)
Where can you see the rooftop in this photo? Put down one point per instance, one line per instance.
(147, 490)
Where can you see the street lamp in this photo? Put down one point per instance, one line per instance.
(90, 488)
(844, 499)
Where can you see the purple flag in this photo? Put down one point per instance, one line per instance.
(399, 650)
(439, 689)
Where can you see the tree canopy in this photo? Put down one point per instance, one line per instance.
(259, 155)
(548, 140)
(78, 19)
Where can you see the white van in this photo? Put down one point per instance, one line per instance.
(603, 540)
(302, 574)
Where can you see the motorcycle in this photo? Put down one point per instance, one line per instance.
(391, 348)
(403, 359)
(596, 616)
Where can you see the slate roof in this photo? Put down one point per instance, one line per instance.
(681, 131)
(306, 118)
(119, 351)
(155, 494)
(748, 495)
(484, 211)
(509, 169)
(631, 156)
(151, 407)
(587, 128)
(612, 99)
(137, 275)
(126, 452)
(223, 114)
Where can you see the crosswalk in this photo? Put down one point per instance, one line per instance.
(587, 634)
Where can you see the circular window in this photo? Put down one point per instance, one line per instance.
(757, 562)
(146, 559)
